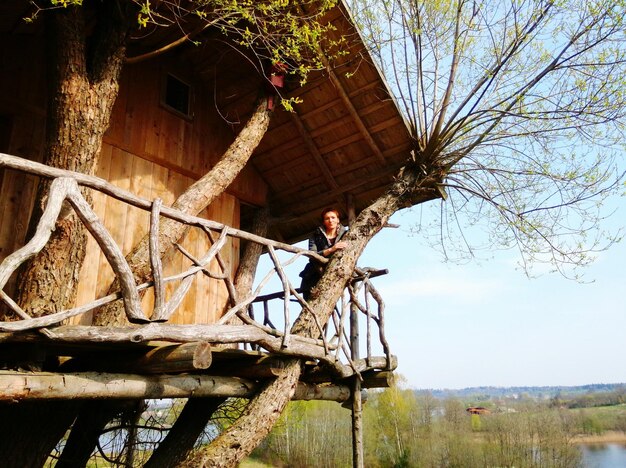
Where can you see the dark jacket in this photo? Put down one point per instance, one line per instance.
(318, 242)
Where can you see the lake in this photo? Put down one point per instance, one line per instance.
(611, 455)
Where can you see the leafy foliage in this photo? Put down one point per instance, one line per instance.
(403, 428)
(276, 30)
(292, 35)
(306, 430)
(520, 106)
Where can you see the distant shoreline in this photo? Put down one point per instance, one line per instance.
(607, 437)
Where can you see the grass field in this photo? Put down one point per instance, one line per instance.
(596, 421)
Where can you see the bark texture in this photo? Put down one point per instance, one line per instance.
(86, 431)
(186, 430)
(251, 253)
(29, 431)
(84, 84)
(195, 199)
(409, 188)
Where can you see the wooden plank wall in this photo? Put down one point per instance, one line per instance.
(153, 152)
(22, 124)
(207, 298)
(146, 129)
(148, 150)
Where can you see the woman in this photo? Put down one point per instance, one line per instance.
(326, 240)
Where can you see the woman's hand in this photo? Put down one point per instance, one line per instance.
(338, 246)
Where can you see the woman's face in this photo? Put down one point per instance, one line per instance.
(331, 221)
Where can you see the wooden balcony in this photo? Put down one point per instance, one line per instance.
(153, 358)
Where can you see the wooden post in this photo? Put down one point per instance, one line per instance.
(357, 403)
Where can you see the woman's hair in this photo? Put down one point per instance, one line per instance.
(328, 210)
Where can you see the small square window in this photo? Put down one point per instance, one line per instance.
(177, 95)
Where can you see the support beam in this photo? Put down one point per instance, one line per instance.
(18, 386)
(354, 113)
(315, 152)
(377, 379)
(212, 333)
(357, 403)
(98, 338)
(169, 358)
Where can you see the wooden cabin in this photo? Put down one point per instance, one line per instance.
(477, 410)
(173, 119)
(175, 116)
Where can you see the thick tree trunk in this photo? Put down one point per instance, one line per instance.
(251, 254)
(83, 88)
(79, 84)
(29, 430)
(192, 201)
(86, 431)
(264, 409)
(409, 188)
(195, 199)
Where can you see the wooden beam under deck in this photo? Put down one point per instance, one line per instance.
(18, 386)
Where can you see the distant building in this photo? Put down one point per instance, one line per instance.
(477, 410)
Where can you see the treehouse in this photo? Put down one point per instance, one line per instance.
(185, 331)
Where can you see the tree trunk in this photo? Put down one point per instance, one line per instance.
(251, 254)
(260, 415)
(195, 199)
(409, 188)
(83, 78)
(30, 430)
(250, 429)
(192, 201)
(86, 431)
(79, 84)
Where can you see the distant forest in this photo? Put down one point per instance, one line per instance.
(525, 427)
(540, 393)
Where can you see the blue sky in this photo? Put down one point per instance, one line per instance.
(487, 323)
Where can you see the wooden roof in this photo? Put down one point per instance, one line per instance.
(346, 138)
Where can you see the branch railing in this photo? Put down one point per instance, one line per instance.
(360, 292)
(65, 187)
